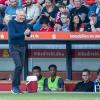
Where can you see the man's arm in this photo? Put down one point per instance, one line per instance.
(46, 85)
(76, 89)
(60, 85)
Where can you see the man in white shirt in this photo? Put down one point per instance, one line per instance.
(32, 12)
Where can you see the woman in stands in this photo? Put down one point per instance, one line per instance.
(76, 24)
(50, 11)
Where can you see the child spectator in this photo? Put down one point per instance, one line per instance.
(45, 25)
(62, 9)
(64, 24)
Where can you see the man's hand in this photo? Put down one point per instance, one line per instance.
(27, 32)
(92, 23)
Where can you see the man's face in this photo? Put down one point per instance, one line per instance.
(48, 3)
(93, 19)
(28, 2)
(77, 3)
(13, 3)
(64, 19)
(36, 72)
(62, 9)
(85, 76)
(53, 71)
(20, 16)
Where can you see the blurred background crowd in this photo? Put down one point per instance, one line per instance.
(54, 15)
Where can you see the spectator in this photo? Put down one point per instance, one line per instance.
(62, 9)
(32, 12)
(95, 9)
(86, 85)
(5, 22)
(54, 82)
(69, 4)
(11, 9)
(36, 71)
(76, 24)
(17, 30)
(93, 25)
(40, 4)
(97, 82)
(1, 20)
(64, 24)
(80, 10)
(2, 4)
(44, 21)
(50, 10)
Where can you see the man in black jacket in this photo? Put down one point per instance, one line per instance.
(86, 85)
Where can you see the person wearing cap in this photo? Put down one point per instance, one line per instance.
(97, 82)
(36, 71)
(95, 8)
(93, 25)
(54, 82)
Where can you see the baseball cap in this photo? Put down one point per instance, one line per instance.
(93, 14)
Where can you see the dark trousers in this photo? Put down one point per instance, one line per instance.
(17, 52)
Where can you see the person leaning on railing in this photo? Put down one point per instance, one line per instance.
(93, 25)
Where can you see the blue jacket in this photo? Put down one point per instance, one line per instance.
(16, 32)
(93, 10)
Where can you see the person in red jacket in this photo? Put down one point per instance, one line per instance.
(3, 4)
(45, 25)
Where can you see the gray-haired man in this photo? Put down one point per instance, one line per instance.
(17, 30)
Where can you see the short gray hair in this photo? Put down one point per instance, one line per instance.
(20, 10)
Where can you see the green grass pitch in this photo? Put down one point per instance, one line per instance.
(50, 96)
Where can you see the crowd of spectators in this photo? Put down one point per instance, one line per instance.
(54, 15)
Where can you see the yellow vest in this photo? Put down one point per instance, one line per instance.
(53, 85)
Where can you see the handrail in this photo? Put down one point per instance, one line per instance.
(58, 36)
